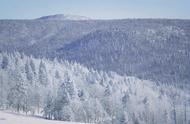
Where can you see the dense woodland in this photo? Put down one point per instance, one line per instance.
(60, 90)
(150, 49)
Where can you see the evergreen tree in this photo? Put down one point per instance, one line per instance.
(70, 87)
(5, 62)
(18, 97)
(48, 106)
(43, 74)
(29, 73)
(125, 99)
(61, 100)
(32, 65)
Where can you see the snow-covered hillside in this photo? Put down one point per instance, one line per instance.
(160, 54)
(15, 118)
(60, 90)
(150, 49)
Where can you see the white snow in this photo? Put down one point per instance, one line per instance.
(12, 118)
(64, 17)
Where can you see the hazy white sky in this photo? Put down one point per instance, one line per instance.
(102, 9)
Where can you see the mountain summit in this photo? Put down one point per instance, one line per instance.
(63, 17)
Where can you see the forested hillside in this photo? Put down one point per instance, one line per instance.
(152, 49)
(61, 90)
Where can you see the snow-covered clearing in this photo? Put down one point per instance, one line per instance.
(11, 118)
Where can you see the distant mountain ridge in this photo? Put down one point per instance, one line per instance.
(63, 17)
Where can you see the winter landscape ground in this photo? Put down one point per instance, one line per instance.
(15, 118)
(62, 68)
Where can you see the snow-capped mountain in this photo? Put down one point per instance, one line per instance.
(63, 17)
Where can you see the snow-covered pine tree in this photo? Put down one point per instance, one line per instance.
(43, 74)
(48, 106)
(61, 100)
(18, 96)
(29, 72)
(4, 62)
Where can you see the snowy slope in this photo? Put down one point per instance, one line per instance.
(80, 94)
(11, 118)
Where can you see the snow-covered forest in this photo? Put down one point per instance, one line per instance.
(150, 49)
(94, 62)
(61, 90)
